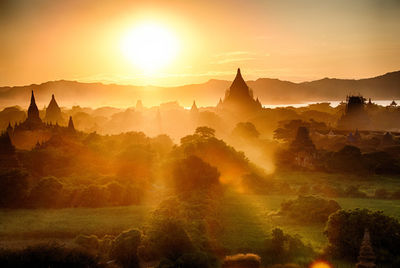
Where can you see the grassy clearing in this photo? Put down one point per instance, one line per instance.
(368, 184)
(246, 218)
(248, 221)
(67, 223)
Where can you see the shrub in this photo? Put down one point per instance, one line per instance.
(13, 188)
(93, 196)
(166, 239)
(48, 255)
(345, 230)
(125, 246)
(282, 248)
(46, 193)
(90, 242)
(354, 192)
(309, 209)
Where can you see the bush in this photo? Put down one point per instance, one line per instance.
(46, 193)
(93, 196)
(125, 246)
(285, 248)
(90, 242)
(309, 209)
(167, 239)
(48, 255)
(13, 188)
(354, 192)
(345, 230)
(248, 260)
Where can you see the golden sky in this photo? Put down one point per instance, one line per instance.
(301, 40)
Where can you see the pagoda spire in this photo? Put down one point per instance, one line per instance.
(367, 257)
(239, 86)
(71, 126)
(53, 111)
(194, 107)
(33, 101)
(33, 111)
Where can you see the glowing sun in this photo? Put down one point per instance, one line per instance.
(150, 46)
(320, 264)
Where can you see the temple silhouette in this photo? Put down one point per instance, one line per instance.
(239, 97)
(53, 112)
(355, 114)
(33, 130)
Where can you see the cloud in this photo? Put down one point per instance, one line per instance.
(234, 53)
(229, 60)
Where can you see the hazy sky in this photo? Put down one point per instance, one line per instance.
(298, 40)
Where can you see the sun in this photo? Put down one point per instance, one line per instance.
(320, 264)
(149, 46)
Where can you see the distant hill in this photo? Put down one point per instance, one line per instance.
(269, 91)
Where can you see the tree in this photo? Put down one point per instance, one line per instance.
(245, 130)
(345, 230)
(302, 142)
(309, 209)
(166, 239)
(46, 193)
(205, 132)
(193, 173)
(13, 187)
(125, 247)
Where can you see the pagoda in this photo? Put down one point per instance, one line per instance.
(53, 112)
(366, 259)
(33, 112)
(355, 114)
(71, 127)
(239, 97)
(33, 120)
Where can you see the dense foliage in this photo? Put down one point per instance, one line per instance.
(345, 230)
(309, 209)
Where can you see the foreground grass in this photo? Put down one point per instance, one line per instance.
(246, 218)
(69, 222)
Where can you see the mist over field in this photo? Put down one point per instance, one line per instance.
(269, 91)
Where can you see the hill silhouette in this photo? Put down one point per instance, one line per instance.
(269, 91)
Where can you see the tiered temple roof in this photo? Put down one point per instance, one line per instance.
(53, 112)
(239, 97)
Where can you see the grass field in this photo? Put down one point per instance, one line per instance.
(246, 218)
(67, 223)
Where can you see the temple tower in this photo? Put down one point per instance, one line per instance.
(366, 259)
(71, 127)
(53, 112)
(194, 109)
(33, 111)
(239, 98)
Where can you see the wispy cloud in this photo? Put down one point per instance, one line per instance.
(234, 53)
(233, 60)
(237, 56)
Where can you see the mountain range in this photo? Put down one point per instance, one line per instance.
(269, 91)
